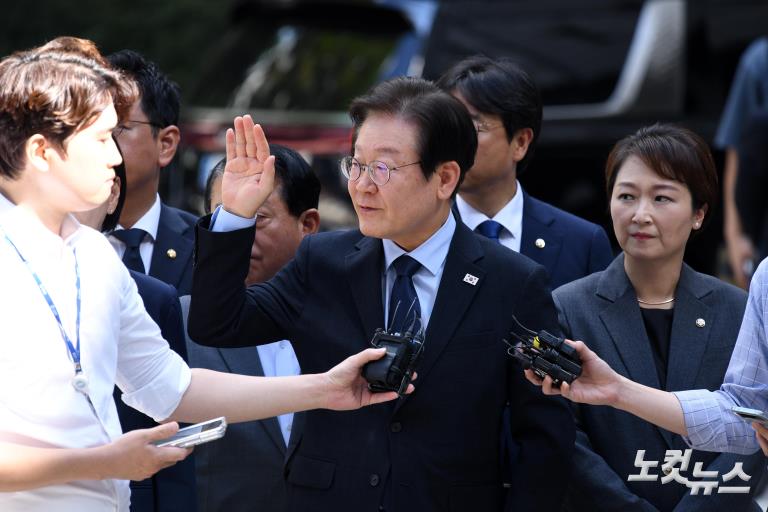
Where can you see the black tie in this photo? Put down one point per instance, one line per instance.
(132, 239)
(403, 297)
(490, 229)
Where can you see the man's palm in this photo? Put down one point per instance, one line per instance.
(249, 174)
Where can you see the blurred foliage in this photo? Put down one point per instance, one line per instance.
(173, 33)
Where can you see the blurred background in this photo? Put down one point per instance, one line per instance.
(605, 68)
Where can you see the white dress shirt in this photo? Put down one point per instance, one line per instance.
(120, 344)
(149, 222)
(279, 360)
(510, 217)
(426, 280)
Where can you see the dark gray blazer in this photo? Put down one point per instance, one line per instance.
(602, 310)
(244, 471)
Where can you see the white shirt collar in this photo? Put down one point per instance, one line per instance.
(431, 254)
(26, 230)
(150, 221)
(511, 216)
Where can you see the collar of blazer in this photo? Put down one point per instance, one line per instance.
(614, 282)
(173, 233)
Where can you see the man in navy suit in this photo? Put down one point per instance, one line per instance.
(244, 471)
(505, 106)
(438, 449)
(152, 238)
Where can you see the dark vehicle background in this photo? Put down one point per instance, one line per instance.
(605, 68)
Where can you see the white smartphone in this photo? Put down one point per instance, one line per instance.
(751, 415)
(196, 434)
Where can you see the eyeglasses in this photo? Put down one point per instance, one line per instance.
(379, 172)
(119, 129)
(483, 126)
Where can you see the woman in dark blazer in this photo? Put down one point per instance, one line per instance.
(655, 320)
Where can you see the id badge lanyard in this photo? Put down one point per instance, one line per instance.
(79, 380)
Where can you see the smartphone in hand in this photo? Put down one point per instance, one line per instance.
(750, 415)
(196, 434)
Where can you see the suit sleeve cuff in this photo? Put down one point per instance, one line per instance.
(222, 220)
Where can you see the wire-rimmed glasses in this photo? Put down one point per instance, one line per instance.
(379, 172)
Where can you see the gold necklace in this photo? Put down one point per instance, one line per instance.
(641, 301)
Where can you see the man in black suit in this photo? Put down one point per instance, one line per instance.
(438, 449)
(505, 106)
(152, 238)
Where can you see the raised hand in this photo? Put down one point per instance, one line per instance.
(346, 387)
(598, 384)
(249, 175)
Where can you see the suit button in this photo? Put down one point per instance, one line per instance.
(396, 427)
(373, 480)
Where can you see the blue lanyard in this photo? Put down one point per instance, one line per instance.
(74, 350)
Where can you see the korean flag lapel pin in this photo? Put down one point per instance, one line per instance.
(469, 278)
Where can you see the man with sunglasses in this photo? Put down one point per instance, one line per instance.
(409, 266)
(152, 238)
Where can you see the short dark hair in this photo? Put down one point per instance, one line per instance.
(674, 153)
(299, 185)
(55, 90)
(445, 129)
(216, 173)
(499, 87)
(160, 96)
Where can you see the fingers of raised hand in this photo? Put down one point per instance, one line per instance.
(251, 149)
(230, 144)
(240, 143)
(260, 142)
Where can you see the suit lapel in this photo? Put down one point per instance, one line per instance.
(364, 267)
(453, 296)
(688, 341)
(624, 324)
(538, 224)
(299, 418)
(246, 361)
(170, 232)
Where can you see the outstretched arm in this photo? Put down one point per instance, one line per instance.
(243, 398)
(600, 385)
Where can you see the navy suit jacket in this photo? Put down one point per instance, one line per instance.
(572, 247)
(602, 311)
(438, 449)
(244, 471)
(173, 488)
(172, 253)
